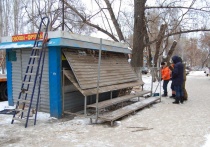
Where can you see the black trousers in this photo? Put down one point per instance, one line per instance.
(165, 84)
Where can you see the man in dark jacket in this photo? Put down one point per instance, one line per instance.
(185, 95)
(177, 79)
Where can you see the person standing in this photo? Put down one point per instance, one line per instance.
(185, 95)
(177, 79)
(165, 76)
(173, 95)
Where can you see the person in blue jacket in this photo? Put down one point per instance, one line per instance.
(177, 79)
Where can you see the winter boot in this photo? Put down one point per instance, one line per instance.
(181, 99)
(165, 94)
(176, 100)
(173, 96)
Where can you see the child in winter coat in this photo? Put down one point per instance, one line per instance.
(165, 76)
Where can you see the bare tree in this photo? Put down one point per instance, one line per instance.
(1, 19)
(6, 16)
(205, 45)
(139, 34)
(193, 52)
(53, 9)
(119, 20)
(16, 11)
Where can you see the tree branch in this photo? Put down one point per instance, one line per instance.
(114, 20)
(170, 52)
(105, 17)
(89, 23)
(180, 32)
(177, 7)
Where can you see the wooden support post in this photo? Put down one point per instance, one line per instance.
(85, 106)
(111, 95)
(98, 80)
(111, 123)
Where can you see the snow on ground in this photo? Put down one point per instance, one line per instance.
(156, 86)
(207, 144)
(197, 73)
(164, 127)
(3, 105)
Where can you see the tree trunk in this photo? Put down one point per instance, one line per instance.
(138, 37)
(16, 14)
(170, 52)
(33, 22)
(149, 54)
(158, 43)
(6, 32)
(1, 20)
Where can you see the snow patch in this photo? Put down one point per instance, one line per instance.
(4, 105)
(197, 73)
(207, 144)
(43, 116)
(81, 121)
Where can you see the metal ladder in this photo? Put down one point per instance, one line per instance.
(32, 78)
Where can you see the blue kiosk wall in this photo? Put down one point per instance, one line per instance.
(55, 82)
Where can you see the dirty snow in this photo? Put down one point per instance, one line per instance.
(164, 124)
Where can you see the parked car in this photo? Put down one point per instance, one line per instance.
(144, 70)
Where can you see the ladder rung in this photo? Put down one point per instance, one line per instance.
(21, 110)
(23, 101)
(37, 48)
(28, 82)
(34, 65)
(35, 56)
(18, 118)
(30, 73)
(26, 92)
(23, 119)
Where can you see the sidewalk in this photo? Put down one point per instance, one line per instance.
(162, 125)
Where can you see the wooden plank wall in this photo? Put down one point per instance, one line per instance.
(93, 91)
(115, 69)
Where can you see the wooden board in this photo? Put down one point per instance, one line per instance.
(114, 69)
(69, 74)
(114, 115)
(113, 101)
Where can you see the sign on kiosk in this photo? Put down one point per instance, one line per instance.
(26, 37)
